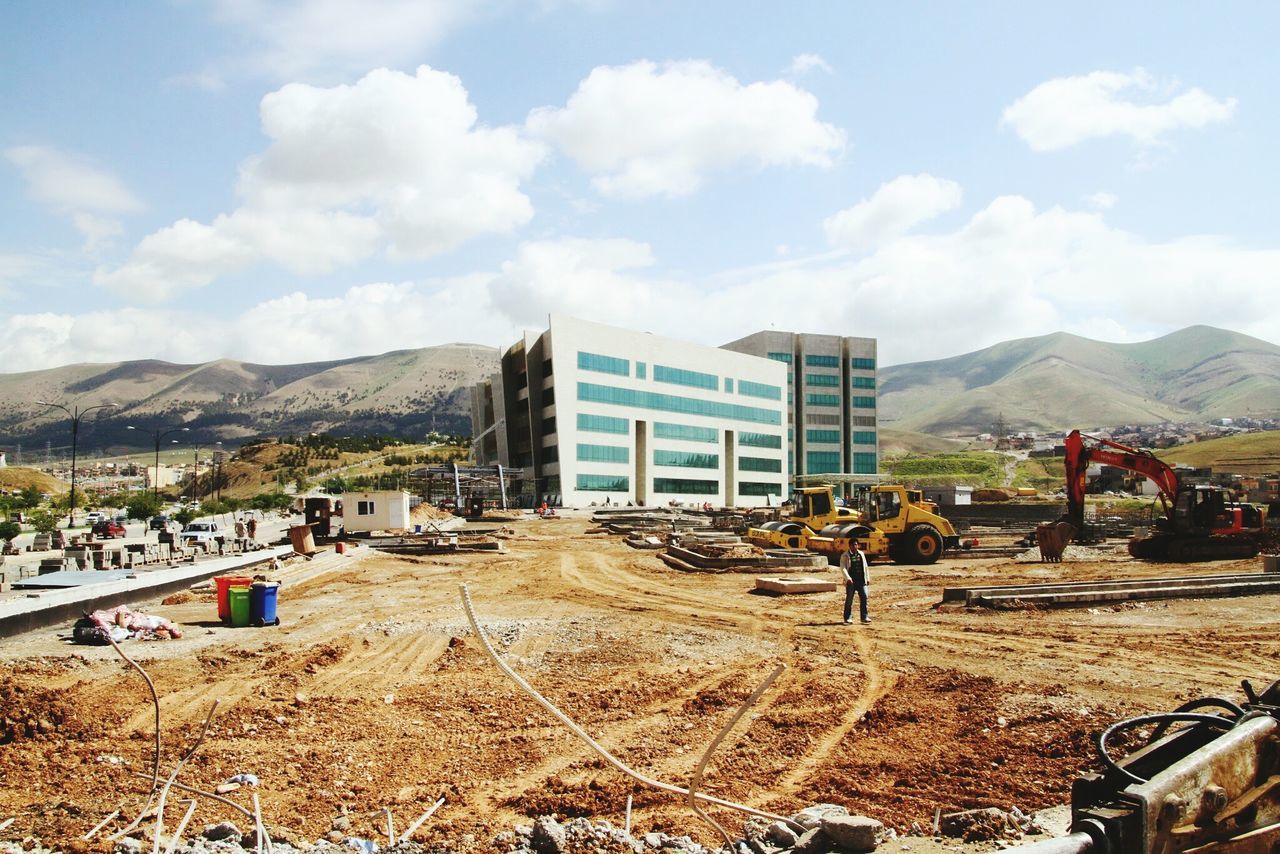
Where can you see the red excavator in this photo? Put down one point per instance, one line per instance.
(1199, 523)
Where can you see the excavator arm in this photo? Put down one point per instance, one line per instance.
(1081, 454)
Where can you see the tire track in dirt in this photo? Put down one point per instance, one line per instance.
(878, 683)
(191, 704)
(383, 663)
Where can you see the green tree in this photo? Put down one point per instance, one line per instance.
(43, 520)
(143, 506)
(9, 530)
(30, 498)
(185, 515)
(336, 485)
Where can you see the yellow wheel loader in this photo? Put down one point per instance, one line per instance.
(890, 521)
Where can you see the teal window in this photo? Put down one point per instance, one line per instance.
(759, 464)
(822, 399)
(822, 462)
(728, 385)
(864, 403)
(685, 486)
(781, 357)
(864, 382)
(768, 392)
(831, 437)
(603, 483)
(679, 376)
(641, 370)
(603, 454)
(821, 379)
(864, 463)
(685, 432)
(822, 361)
(604, 364)
(592, 393)
(862, 364)
(754, 487)
(686, 459)
(603, 424)
(864, 437)
(760, 440)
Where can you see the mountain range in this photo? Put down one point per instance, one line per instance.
(1051, 382)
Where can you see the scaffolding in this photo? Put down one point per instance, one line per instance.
(465, 487)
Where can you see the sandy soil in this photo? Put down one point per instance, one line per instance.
(374, 693)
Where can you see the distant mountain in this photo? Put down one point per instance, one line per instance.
(1061, 381)
(404, 393)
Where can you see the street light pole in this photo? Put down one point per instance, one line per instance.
(75, 433)
(195, 475)
(155, 483)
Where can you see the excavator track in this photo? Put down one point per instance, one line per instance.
(1173, 548)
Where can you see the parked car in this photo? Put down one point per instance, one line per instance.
(93, 517)
(205, 533)
(159, 523)
(109, 529)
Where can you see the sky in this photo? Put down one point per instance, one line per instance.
(283, 182)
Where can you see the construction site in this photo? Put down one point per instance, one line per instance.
(374, 716)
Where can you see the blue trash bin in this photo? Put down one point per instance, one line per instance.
(262, 603)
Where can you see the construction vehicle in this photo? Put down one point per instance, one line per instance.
(1199, 523)
(1207, 780)
(890, 521)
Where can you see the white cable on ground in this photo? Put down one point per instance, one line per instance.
(404, 837)
(582, 734)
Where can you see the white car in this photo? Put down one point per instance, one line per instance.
(93, 517)
(200, 532)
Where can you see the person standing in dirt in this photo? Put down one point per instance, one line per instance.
(853, 565)
(252, 528)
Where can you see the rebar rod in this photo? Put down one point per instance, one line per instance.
(182, 825)
(212, 796)
(164, 793)
(155, 759)
(582, 734)
(100, 825)
(404, 837)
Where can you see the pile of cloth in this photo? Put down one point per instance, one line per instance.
(122, 623)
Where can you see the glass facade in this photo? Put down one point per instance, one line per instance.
(759, 464)
(603, 453)
(604, 482)
(822, 361)
(592, 393)
(830, 437)
(728, 385)
(551, 454)
(685, 432)
(764, 390)
(821, 379)
(604, 364)
(862, 364)
(864, 463)
(822, 462)
(822, 399)
(755, 487)
(864, 437)
(686, 459)
(863, 382)
(781, 357)
(760, 440)
(603, 424)
(864, 403)
(680, 376)
(685, 486)
(548, 426)
(641, 371)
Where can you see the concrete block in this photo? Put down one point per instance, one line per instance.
(852, 832)
(799, 584)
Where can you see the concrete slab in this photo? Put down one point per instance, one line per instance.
(800, 584)
(1104, 592)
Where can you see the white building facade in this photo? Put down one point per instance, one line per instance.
(601, 414)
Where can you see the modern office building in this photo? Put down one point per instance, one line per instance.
(598, 413)
(831, 401)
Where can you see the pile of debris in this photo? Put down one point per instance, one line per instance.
(121, 623)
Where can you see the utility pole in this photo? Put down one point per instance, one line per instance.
(76, 415)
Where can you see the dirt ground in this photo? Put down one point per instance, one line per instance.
(374, 693)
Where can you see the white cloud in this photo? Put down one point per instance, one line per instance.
(75, 188)
(395, 162)
(894, 209)
(805, 62)
(1009, 271)
(1102, 201)
(1065, 111)
(332, 39)
(644, 131)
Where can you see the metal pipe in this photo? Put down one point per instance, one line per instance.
(1075, 843)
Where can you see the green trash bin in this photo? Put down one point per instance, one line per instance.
(239, 600)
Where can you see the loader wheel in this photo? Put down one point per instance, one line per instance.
(922, 545)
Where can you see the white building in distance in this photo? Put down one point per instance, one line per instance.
(593, 413)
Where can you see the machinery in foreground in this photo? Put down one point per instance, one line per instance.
(890, 521)
(1199, 523)
(1207, 780)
